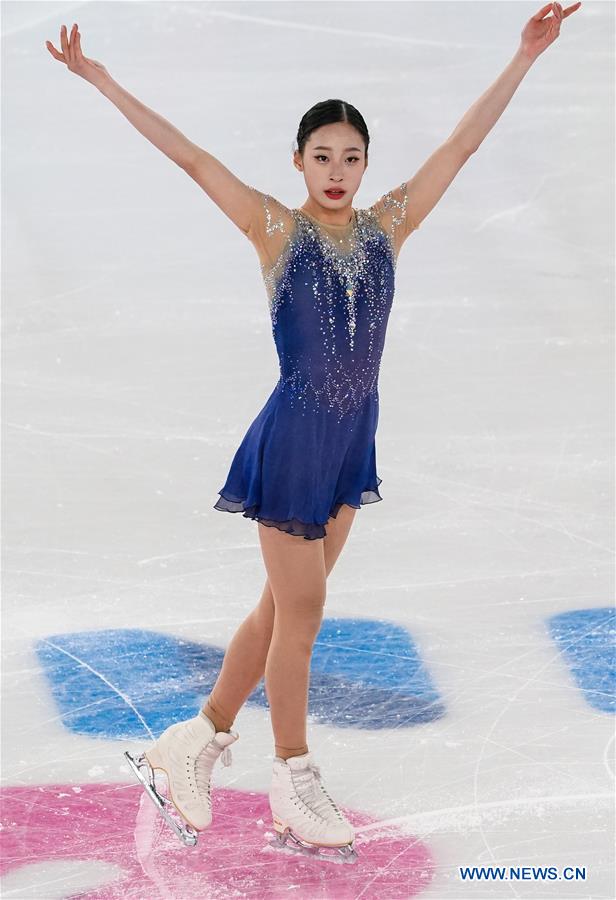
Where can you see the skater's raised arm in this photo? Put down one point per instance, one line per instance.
(422, 192)
(230, 194)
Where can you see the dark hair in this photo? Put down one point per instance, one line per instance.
(326, 113)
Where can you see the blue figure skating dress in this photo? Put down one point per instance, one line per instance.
(330, 288)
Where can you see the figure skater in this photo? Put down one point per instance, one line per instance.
(307, 461)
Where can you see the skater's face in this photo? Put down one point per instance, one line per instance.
(334, 157)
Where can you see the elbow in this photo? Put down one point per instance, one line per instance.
(187, 163)
(467, 150)
(464, 148)
(188, 159)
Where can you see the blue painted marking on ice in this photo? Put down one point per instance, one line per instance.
(370, 672)
(119, 683)
(586, 638)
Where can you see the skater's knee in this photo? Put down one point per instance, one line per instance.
(301, 601)
(297, 625)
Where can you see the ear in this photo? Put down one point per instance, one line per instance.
(297, 161)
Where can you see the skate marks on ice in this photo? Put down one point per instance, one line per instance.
(115, 829)
(365, 673)
(126, 683)
(369, 674)
(133, 683)
(130, 673)
(587, 640)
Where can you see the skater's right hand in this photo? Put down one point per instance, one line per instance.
(71, 55)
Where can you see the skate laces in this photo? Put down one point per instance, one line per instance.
(204, 763)
(311, 791)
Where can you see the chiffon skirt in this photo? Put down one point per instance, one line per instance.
(296, 467)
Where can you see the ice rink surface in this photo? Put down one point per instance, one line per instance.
(462, 692)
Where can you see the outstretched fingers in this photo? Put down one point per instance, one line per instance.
(78, 43)
(55, 53)
(571, 9)
(64, 42)
(542, 12)
(72, 52)
(557, 10)
(71, 46)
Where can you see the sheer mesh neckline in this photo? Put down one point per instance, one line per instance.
(329, 224)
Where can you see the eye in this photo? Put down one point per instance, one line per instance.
(322, 156)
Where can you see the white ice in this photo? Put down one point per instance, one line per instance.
(137, 350)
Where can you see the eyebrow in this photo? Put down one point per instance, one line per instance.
(329, 148)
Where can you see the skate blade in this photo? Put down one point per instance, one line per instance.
(290, 843)
(185, 833)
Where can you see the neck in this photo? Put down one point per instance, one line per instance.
(342, 216)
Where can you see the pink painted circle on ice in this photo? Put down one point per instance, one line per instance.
(117, 824)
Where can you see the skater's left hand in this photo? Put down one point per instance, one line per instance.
(542, 30)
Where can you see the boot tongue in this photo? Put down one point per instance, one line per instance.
(224, 738)
(299, 762)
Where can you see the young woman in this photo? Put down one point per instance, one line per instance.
(307, 461)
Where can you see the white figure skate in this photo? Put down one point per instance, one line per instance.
(306, 819)
(186, 753)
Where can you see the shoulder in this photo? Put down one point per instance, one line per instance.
(269, 214)
(391, 213)
(392, 204)
(271, 225)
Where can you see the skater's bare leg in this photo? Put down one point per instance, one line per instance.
(245, 658)
(297, 574)
(243, 664)
(337, 532)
